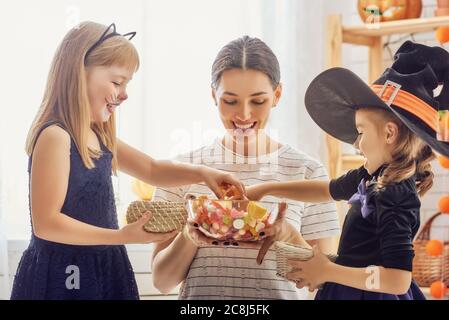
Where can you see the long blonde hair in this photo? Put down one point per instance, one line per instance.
(410, 156)
(66, 100)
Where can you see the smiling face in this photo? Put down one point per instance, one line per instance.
(244, 99)
(376, 139)
(106, 88)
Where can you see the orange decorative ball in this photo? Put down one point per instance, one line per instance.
(438, 289)
(443, 204)
(444, 162)
(442, 35)
(434, 248)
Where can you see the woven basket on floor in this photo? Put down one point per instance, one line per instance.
(427, 269)
(285, 251)
(166, 216)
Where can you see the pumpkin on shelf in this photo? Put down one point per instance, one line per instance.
(442, 33)
(389, 10)
(442, 8)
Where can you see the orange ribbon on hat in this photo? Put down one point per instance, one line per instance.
(408, 102)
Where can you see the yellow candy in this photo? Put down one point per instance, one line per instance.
(260, 226)
(253, 232)
(255, 211)
(252, 223)
(227, 204)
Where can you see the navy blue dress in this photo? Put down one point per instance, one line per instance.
(378, 231)
(50, 270)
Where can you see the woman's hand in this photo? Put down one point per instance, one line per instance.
(134, 232)
(219, 182)
(281, 230)
(311, 273)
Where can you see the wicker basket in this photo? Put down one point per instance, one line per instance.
(427, 269)
(285, 251)
(167, 216)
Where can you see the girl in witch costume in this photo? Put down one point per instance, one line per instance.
(394, 124)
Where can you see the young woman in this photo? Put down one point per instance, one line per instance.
(245, 88)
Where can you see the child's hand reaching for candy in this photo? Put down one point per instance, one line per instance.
(256, 192)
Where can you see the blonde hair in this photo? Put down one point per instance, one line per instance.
(410, 156)
(66, 100)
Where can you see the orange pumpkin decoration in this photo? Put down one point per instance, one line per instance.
(442, 35)
(444, 162)
(443, 204)
(388, 10)
(434, 248)
(438, 289)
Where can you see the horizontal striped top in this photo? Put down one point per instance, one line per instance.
(233, 273)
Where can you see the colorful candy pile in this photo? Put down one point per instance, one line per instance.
(225, 219)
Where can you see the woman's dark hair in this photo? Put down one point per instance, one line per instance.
(246, 53)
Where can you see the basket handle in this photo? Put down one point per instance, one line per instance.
(424, 234)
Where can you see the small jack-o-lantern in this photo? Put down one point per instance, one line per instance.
(371, 11)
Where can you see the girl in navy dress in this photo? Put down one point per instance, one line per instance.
(76, 249)
(394, 125)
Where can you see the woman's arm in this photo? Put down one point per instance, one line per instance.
(165, 173)
(171, 262)
(305, 191)
(49, 182)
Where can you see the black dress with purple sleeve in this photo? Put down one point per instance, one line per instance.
(378, 231)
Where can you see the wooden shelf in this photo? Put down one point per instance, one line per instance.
(351, 162)
(394, 27)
